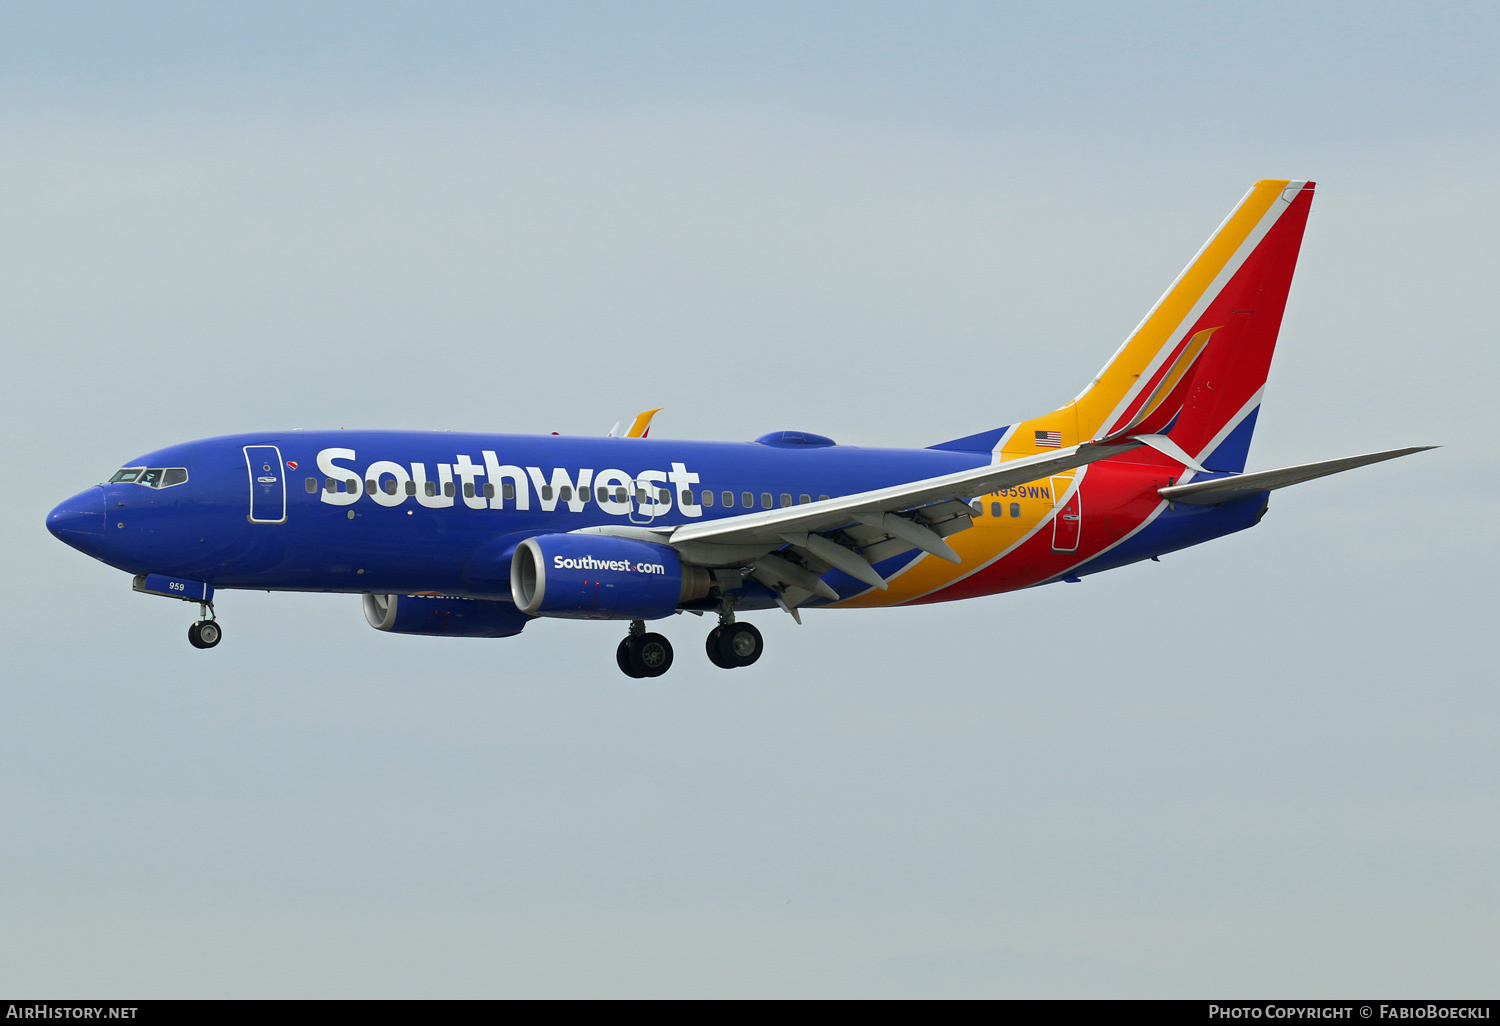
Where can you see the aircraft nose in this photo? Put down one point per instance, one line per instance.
(79, 521)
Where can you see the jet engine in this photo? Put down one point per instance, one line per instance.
(449, 616)
(601, 577)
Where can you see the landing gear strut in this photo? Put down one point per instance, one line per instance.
(643, 653)
(732, 644)
(205, 632)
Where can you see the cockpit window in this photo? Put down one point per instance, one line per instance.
(151, 477)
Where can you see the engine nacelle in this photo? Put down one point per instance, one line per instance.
(447, 616)
(601, 577)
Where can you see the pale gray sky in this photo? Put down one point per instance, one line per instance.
(1263, 766)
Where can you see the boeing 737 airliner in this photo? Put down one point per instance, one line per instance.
(476, 535)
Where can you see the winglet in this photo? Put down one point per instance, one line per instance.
(642, 426)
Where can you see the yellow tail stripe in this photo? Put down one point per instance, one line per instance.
(1102, 399)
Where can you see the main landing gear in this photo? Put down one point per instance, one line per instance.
(731, 645)
(643, 653)
(205, 632)
(647, 654)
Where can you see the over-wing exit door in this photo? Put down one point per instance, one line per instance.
(267, 484)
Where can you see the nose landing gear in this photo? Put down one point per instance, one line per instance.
(643, 653)
(205, 632)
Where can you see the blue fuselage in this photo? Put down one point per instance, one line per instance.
(404, 512)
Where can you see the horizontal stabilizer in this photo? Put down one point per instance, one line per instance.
(1225, 489)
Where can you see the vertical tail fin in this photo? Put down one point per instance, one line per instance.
(1195, 366)
(1218, 411)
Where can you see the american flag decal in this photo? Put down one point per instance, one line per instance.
(1049, 439)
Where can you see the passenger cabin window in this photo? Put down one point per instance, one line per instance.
(489, 491)
(429, 488)
(803, 500)
(468, 489)
(765, 500)
(687, 497)
(786, 500)
(1015, 509)
(411, 488)
(747, 499)
(997, 509)
(664, 496)
(977, 507)
(708, 500)
(330, 485)
(390, 487)
(448, 489)
(602, 493)
(565, 493)
(507, 490)
(822, 498)
(312, 485)
(620, 494)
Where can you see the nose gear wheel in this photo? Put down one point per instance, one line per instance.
(205, 634)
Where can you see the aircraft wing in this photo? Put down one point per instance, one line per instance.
(871, 525)
(769, 526)
(1224, 489)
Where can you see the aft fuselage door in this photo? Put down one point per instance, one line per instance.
(267, 484)
(1067, 522)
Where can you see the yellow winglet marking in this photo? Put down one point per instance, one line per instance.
(642, 423)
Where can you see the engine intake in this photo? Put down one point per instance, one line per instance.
(601, 577)
(448, 616)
